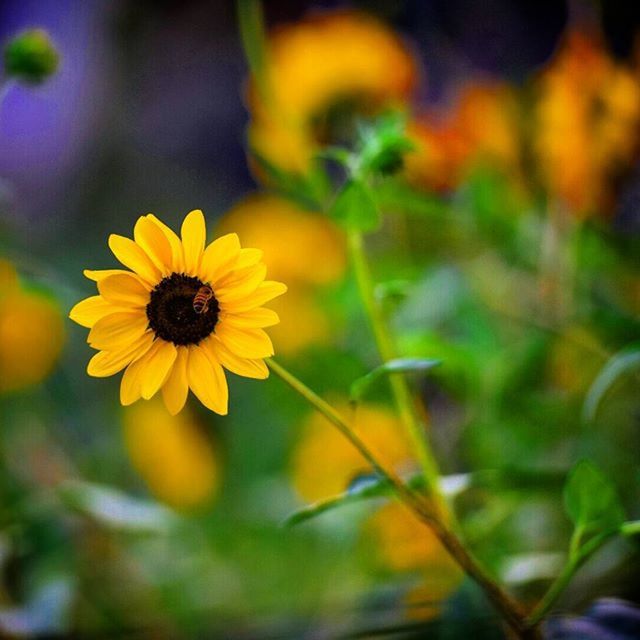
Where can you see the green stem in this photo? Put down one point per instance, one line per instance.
(510, 610)
(576, 560)
(252, 34)
(387, 351)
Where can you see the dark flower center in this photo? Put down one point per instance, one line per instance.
(182, 309)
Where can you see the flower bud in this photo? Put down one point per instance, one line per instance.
(31, 56)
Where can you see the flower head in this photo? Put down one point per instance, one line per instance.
(180, 315)
(320, 69)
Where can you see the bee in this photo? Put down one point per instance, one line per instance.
(202, 298)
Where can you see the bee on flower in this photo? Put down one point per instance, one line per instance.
(143, 320)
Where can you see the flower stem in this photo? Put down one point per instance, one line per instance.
(576, 559)
(510, 610)
(387, 351)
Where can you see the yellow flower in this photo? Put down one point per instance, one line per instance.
(172, 454)
(482, 127)
(290, 238)
(341, 58)
(31, 333)
(325, 463)
(180, 315)
(406, 544)
(586, 117)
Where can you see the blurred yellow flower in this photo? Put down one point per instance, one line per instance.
(298, 246)
(172, 454)
(482, 127)
(406, 544)
(303, 322)
(323, 61)
(586, 122)
(325, 463)
(31, 333)
(292, 239)
(183, 312)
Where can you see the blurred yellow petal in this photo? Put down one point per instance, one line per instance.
(161, 357)
(88, 311)
(153, 240)
(290, 237)
(193, 238)
(31, 338)
(247, 343)
(176, 387)
(173, 455)
(133, 256)
(219, 257)
(108, 363)
(253, 319)
(125, 290)
(241, 366)
(207, 381)
(117, 330)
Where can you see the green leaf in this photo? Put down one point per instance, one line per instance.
(394, 196)
(372, 486)
(591, 500)
(355, 207)
(622, 363)
(399, 365)
(116, 509)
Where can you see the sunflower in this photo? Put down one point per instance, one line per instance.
(180, 315)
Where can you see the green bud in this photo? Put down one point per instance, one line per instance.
(31, 56)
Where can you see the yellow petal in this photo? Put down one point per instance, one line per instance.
(220, 257)
(131, 383)
(88, 311)
(207, 381)
(265, 292)
(117, 330)
(193, 238)
(253, 319)
(106, 363)
(98, 274)
(176, 387)
(132, 256)
(240, 286)
(174, 242)
(241, 366)
(246, 343)
(152, 239)
(125, 290)
(162, 355)
(248, 257)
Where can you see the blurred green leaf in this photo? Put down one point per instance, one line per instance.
(116, 509)
(591, 500)
(394, 196)
(372, 486)
(399, 365)
(355, 208)
(622, 363)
